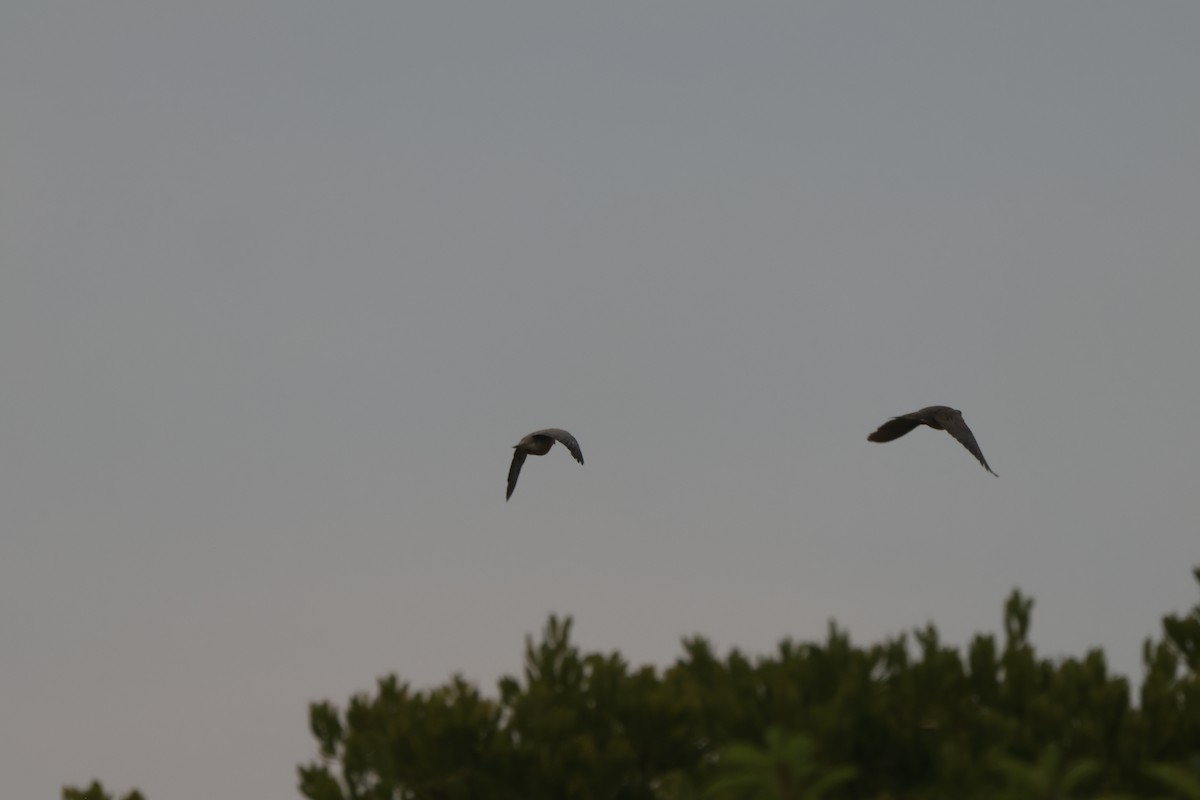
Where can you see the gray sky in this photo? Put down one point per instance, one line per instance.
(282, 283)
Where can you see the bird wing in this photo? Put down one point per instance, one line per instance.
(567, 440)
(894, 428)
(956, 426)
(514, 471)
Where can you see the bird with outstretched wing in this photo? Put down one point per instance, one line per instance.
(539, 443)
(941, 418)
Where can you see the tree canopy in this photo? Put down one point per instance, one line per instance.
(906, 718)
(909, 717)
(96, 792)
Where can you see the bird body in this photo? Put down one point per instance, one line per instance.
(940, 418)
(539, 443)
(536, 444)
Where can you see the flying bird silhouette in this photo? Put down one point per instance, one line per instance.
(539, 443)
(940, 418)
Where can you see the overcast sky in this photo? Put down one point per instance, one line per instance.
(281, 283)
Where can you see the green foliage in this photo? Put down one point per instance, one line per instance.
(1183, 781)
(1048, 778)
(908, 718)
(96, 792)
(786, 767)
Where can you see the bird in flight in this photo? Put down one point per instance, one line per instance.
(940, 418)
(539, 443)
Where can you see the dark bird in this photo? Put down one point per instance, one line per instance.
(940, 418)
(539, 443)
